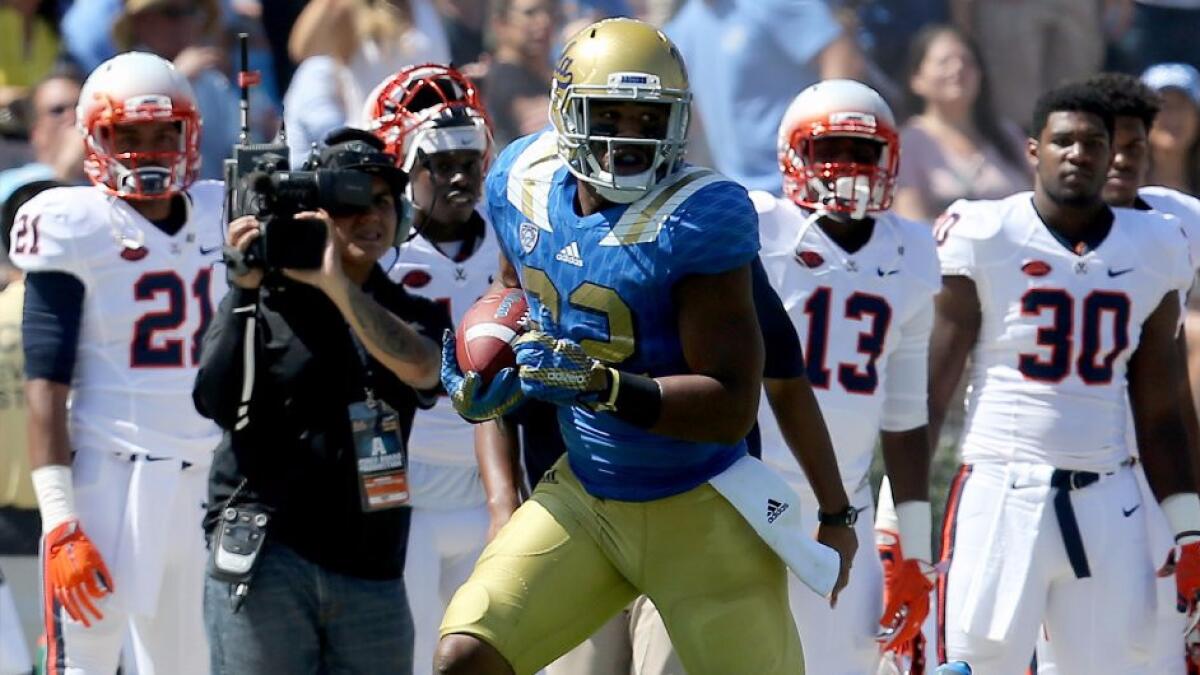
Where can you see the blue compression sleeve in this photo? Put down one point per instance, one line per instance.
(50, 325)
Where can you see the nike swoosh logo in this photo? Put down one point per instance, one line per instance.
(887, 273)
(209, 251)
(1117, 273)
(1129, 512)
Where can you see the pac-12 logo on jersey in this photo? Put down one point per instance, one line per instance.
(528, 235)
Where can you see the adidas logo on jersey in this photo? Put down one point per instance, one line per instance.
(775, 509)
(570, 255)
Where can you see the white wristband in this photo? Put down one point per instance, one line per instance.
(916, 523)
(1183, 514)
(885, 509)
(55, 496)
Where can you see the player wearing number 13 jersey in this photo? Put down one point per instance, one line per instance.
(1065, 305)
(637, 270)
(120, 289)
(858, 283)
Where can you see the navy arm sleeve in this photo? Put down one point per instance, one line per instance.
(50, 324)
(784, 358)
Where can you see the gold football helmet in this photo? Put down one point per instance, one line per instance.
(618, 60)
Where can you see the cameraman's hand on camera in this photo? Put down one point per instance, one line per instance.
(241, 233)
(330, 278)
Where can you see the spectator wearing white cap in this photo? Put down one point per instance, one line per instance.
(1175, 136)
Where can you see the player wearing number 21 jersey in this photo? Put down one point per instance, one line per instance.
(120, 289)
(1065, 305)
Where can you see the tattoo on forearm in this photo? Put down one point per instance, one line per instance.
(385, 330)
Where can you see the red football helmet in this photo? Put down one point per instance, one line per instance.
(428, 108)
(132, 88)
(834, 108)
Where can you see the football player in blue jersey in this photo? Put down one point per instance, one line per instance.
(637, 268)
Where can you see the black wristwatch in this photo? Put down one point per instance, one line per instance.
(847, 517)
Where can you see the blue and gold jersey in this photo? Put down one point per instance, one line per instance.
(605, 281)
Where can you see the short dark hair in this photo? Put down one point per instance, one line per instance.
(61, 71)
(1127, 96)
(500, 8)
(1071, 97)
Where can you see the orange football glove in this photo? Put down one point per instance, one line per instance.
(1187, 576)
(1186, 563)
(74, 572)
(906, 591)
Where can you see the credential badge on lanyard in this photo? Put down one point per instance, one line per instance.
(380, 456)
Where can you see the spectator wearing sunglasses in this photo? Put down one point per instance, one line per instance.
(57, 148)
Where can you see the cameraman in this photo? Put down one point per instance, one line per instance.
(313, 376)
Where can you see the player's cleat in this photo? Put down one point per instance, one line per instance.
(74, 571)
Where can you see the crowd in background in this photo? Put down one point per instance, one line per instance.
(962, 74)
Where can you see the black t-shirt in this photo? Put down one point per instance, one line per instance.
(293, 447)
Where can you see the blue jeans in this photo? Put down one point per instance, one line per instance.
(300, 618)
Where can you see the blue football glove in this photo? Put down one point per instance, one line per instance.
(558, 370)
(471, 397)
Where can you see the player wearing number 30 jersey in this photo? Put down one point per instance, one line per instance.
(120, 289)
(1066, 306)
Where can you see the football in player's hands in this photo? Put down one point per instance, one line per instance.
(486, 332)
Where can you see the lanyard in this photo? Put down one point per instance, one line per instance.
(368, 372)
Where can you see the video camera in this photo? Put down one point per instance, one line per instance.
(259, 183)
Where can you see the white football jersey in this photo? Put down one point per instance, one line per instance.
(439, 435)
(148, 298)
(1184, 207)
(1057, 328)
(864, 320)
